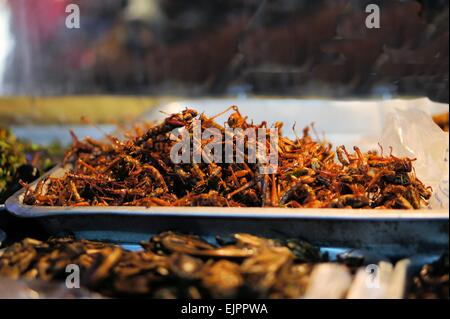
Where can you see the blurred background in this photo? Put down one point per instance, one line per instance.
(299, 48)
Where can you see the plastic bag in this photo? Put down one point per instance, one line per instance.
(413, 133)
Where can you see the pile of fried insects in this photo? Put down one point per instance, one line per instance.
(138, 171)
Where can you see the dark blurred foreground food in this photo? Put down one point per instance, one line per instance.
(140, 171)
(432, 280)
(22, 161)
(172, 265)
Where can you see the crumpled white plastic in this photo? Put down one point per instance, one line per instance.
(413, 133)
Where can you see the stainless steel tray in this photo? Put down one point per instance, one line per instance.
(398, 233)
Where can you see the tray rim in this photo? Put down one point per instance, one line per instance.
(15, 206)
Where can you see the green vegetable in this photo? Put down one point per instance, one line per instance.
(12, 156)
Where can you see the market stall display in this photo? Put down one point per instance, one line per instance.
(140, 171)
(244, 149)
